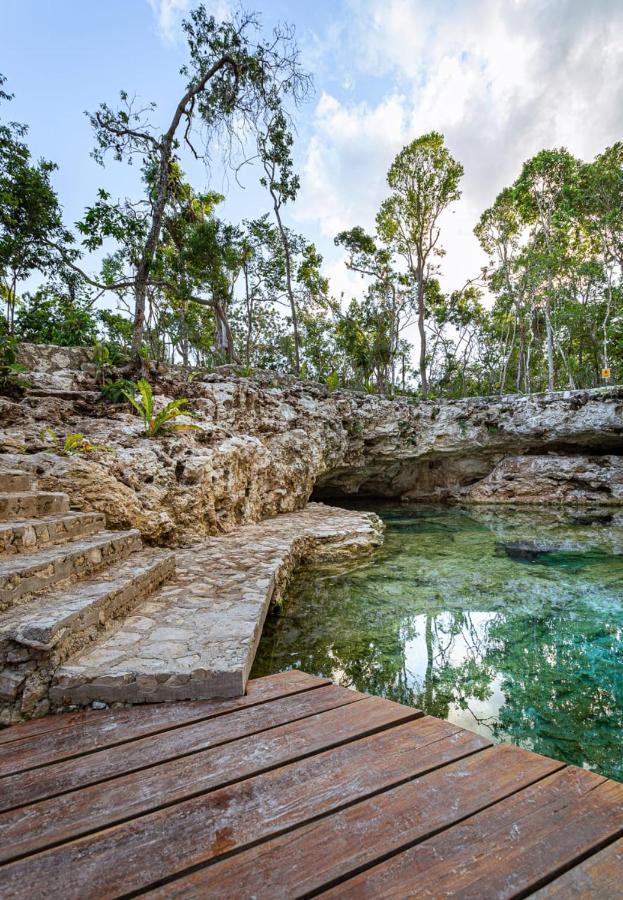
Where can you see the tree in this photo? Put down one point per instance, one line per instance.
(57, 314)
(424, 179)
(544, 195)
(282, 182)
(236, 83)
(388, 302)
(29, 212)
(602, 194)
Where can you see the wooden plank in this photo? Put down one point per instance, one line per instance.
(70, 774)
(38, 825)
(139, 853)
(509, 849)
(600, 877)
(94, 730)
(311, 857)
(166, 714)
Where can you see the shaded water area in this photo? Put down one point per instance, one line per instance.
(507, 623)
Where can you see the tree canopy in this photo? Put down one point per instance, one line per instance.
(176, 281)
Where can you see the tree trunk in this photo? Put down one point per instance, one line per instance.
(422, 331)
(550, 351)
(224, 336)
(247, 349)
(286, 251)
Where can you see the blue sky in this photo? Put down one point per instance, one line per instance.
(500, 78)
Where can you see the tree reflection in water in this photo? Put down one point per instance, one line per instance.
(507, 623)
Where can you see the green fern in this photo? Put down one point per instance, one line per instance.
(163, 420)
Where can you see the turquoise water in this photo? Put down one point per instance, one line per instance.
(506, 623)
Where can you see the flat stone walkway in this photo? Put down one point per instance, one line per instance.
(196, 637)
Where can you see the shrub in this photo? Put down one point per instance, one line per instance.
(163, 420)
(118, 390)
(75, 442)
(51, 317)
(11, 385)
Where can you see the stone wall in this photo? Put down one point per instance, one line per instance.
(267, 443)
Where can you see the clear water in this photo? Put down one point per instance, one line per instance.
(506, 623)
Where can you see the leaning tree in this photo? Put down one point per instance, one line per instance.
(236, 82)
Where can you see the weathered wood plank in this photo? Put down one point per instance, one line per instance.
(70, 774)
(85, 732)
(313, 856)
(141, 852)
(600, 877)
(36, 826)
(506, 850)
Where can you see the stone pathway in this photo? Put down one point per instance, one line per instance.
(197, 636)
(87, 618)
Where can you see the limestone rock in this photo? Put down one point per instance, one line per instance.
(267, 443)
(553, 479)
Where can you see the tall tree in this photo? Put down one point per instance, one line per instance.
(544, 194)
(29, 212)
(236, 84)
(282, 182)
(388, 305)
(602, 188)
(424, 179)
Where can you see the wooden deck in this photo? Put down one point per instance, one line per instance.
(300, 788)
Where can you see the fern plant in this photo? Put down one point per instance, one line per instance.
(158, 421)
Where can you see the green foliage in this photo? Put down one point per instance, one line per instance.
(118, 335)
(207, 292)
(56, 314)
(30, 216)
(117, 391)
(74, 442)
(11, 384)
(164, 420)
(555, 241)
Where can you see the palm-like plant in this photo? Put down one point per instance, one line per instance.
(163, 420)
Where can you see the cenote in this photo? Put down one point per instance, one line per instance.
(505, 622)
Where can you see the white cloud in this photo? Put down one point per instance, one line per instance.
(346, 157)
(500, 80)
(168, 14)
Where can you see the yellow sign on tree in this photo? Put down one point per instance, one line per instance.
(605, 373)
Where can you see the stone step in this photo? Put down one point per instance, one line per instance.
(62, 394)
(31, 504)
(12, 480)
(37, 636)
(30, 535)
(195, 638)
(22, 576)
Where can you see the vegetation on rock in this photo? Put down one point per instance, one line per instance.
(162, 420)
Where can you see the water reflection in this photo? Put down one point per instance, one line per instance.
(507, 623)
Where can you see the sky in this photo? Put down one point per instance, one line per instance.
(501, 79)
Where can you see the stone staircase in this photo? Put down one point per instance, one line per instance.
(89, 617)
(65, 582)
